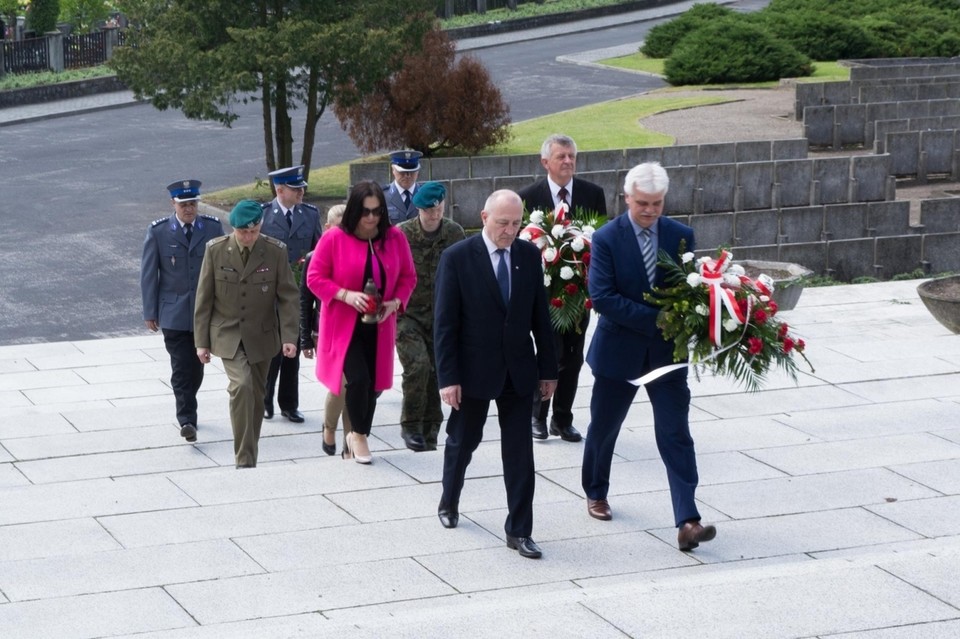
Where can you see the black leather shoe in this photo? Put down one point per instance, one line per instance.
(414, 441)
(449, 517)
(330, 449)
(294, 415)
(525, 546)
(538, 428)
(189, 432)
(268, 411)
(566, 433)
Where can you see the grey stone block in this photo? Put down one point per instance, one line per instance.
(913, 108)
(845, 221)
(612, 187)
(757, 151)
(512, 182)
(888, 218)
(941, 252)
(683, 155)
(756, 228)
(755, 184)
(448, 168)
(812, 255)
(718, 187)
(793, 178)
(488, 166)
(833, 174)
(836, 92)
(713, 229)
(633, 157)
(528, 164)
(948, 106)
(719, 153)
(612, 160)
(802, 224)
(379, 172)
(466, 199)
(897, 255)
(880, 111)
(806, 94)
(904, 150)
(790, 149)
(940, 215)
(818, 125)
(847, 259)
(938, 151)
(851, 120)
(683, 185)
(870, 172)
(768, 253)
(882, 128)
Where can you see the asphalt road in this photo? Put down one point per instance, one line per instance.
(77, 193)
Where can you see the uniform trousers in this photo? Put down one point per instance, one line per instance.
(287, 369)
(569, 347)
(421, 412)
(359, 369)
(186, 373)
(246, 386)
(464, 434)
(670, 399)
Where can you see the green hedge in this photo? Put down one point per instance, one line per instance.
(662, 38)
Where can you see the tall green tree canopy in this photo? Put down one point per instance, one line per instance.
(205, 56)
(42, 15)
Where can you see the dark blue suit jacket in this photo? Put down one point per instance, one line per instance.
(478, 340)
(627, 330)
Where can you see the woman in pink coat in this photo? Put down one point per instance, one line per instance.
(363, 247)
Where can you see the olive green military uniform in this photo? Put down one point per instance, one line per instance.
(244, 314)
(421, 411)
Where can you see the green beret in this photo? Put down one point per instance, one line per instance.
(429, 195)
(246, 214)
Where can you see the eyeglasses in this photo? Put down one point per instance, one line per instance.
(377, 211)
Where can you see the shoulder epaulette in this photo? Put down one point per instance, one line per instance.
(210, 217)
(160, 221)
(309, 206)
(266, 205)
(274, 241)
(217, 240)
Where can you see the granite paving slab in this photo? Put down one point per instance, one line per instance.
(34, 424)
(126, 463)
(935, 573)
(54, 539)
(71, 444)
(39, 379)
(935, 517)
(904, 388)
(943, 476)
(774, 402)
(934, 630)
(889, 418)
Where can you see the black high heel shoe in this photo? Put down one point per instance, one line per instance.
(330, 449)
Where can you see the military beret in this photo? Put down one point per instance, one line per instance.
(406, 161)
(246, 214)
(429, 195)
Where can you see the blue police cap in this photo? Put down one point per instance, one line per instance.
(429, 195)
(406, 161)
(291, 176)
(246, 214)
(184, 190)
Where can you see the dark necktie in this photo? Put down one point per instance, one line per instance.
(244, 255)
(562, 195)
(503, 276)
(188, 231)
(649, 257)
(406, 198)
(289, 215)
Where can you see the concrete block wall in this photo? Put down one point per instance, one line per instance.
(920, 154)
(835, 126)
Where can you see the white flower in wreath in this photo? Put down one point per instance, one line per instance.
(525, 236)
(767, 281)
(537, 216)
(737, 270)
(731, 280)
(577, 244)
(730, 325)
(687, 257)
(566, 273)
(588, 231)
(557, 231)
(702, 309)
(693, 280)
(547, 279)
(549, 255)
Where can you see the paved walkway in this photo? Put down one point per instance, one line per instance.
(837, 502)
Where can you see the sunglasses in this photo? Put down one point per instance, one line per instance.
(377, 211)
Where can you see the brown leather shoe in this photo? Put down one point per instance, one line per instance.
(599, 509)
(691, 533)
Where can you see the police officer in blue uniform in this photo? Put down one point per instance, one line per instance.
(297, 224)
(172, 254)
(405, 166)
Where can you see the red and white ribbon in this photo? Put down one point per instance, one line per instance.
(711, 275)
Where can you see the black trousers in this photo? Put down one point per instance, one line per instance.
(569, 347)
(359, 369)
(186, 375)
(288, 390)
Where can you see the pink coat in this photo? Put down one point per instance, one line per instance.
(338, 262)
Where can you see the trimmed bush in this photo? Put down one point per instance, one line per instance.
(733, 50)
(662, 38)
(820, 36)
(42, 15)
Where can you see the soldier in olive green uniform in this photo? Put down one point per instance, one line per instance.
(247, 311)
(428, 234)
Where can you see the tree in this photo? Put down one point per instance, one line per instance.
(203, 56)
(42, 15)
(83, 14)
(433, 102)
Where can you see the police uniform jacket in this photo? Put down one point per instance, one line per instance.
(170, 267)
(426, 251)
(302, 234)
(241, 304)
(396, 209)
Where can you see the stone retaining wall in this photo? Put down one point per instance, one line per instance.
(61, 91)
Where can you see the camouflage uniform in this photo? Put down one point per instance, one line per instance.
(421, 398)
